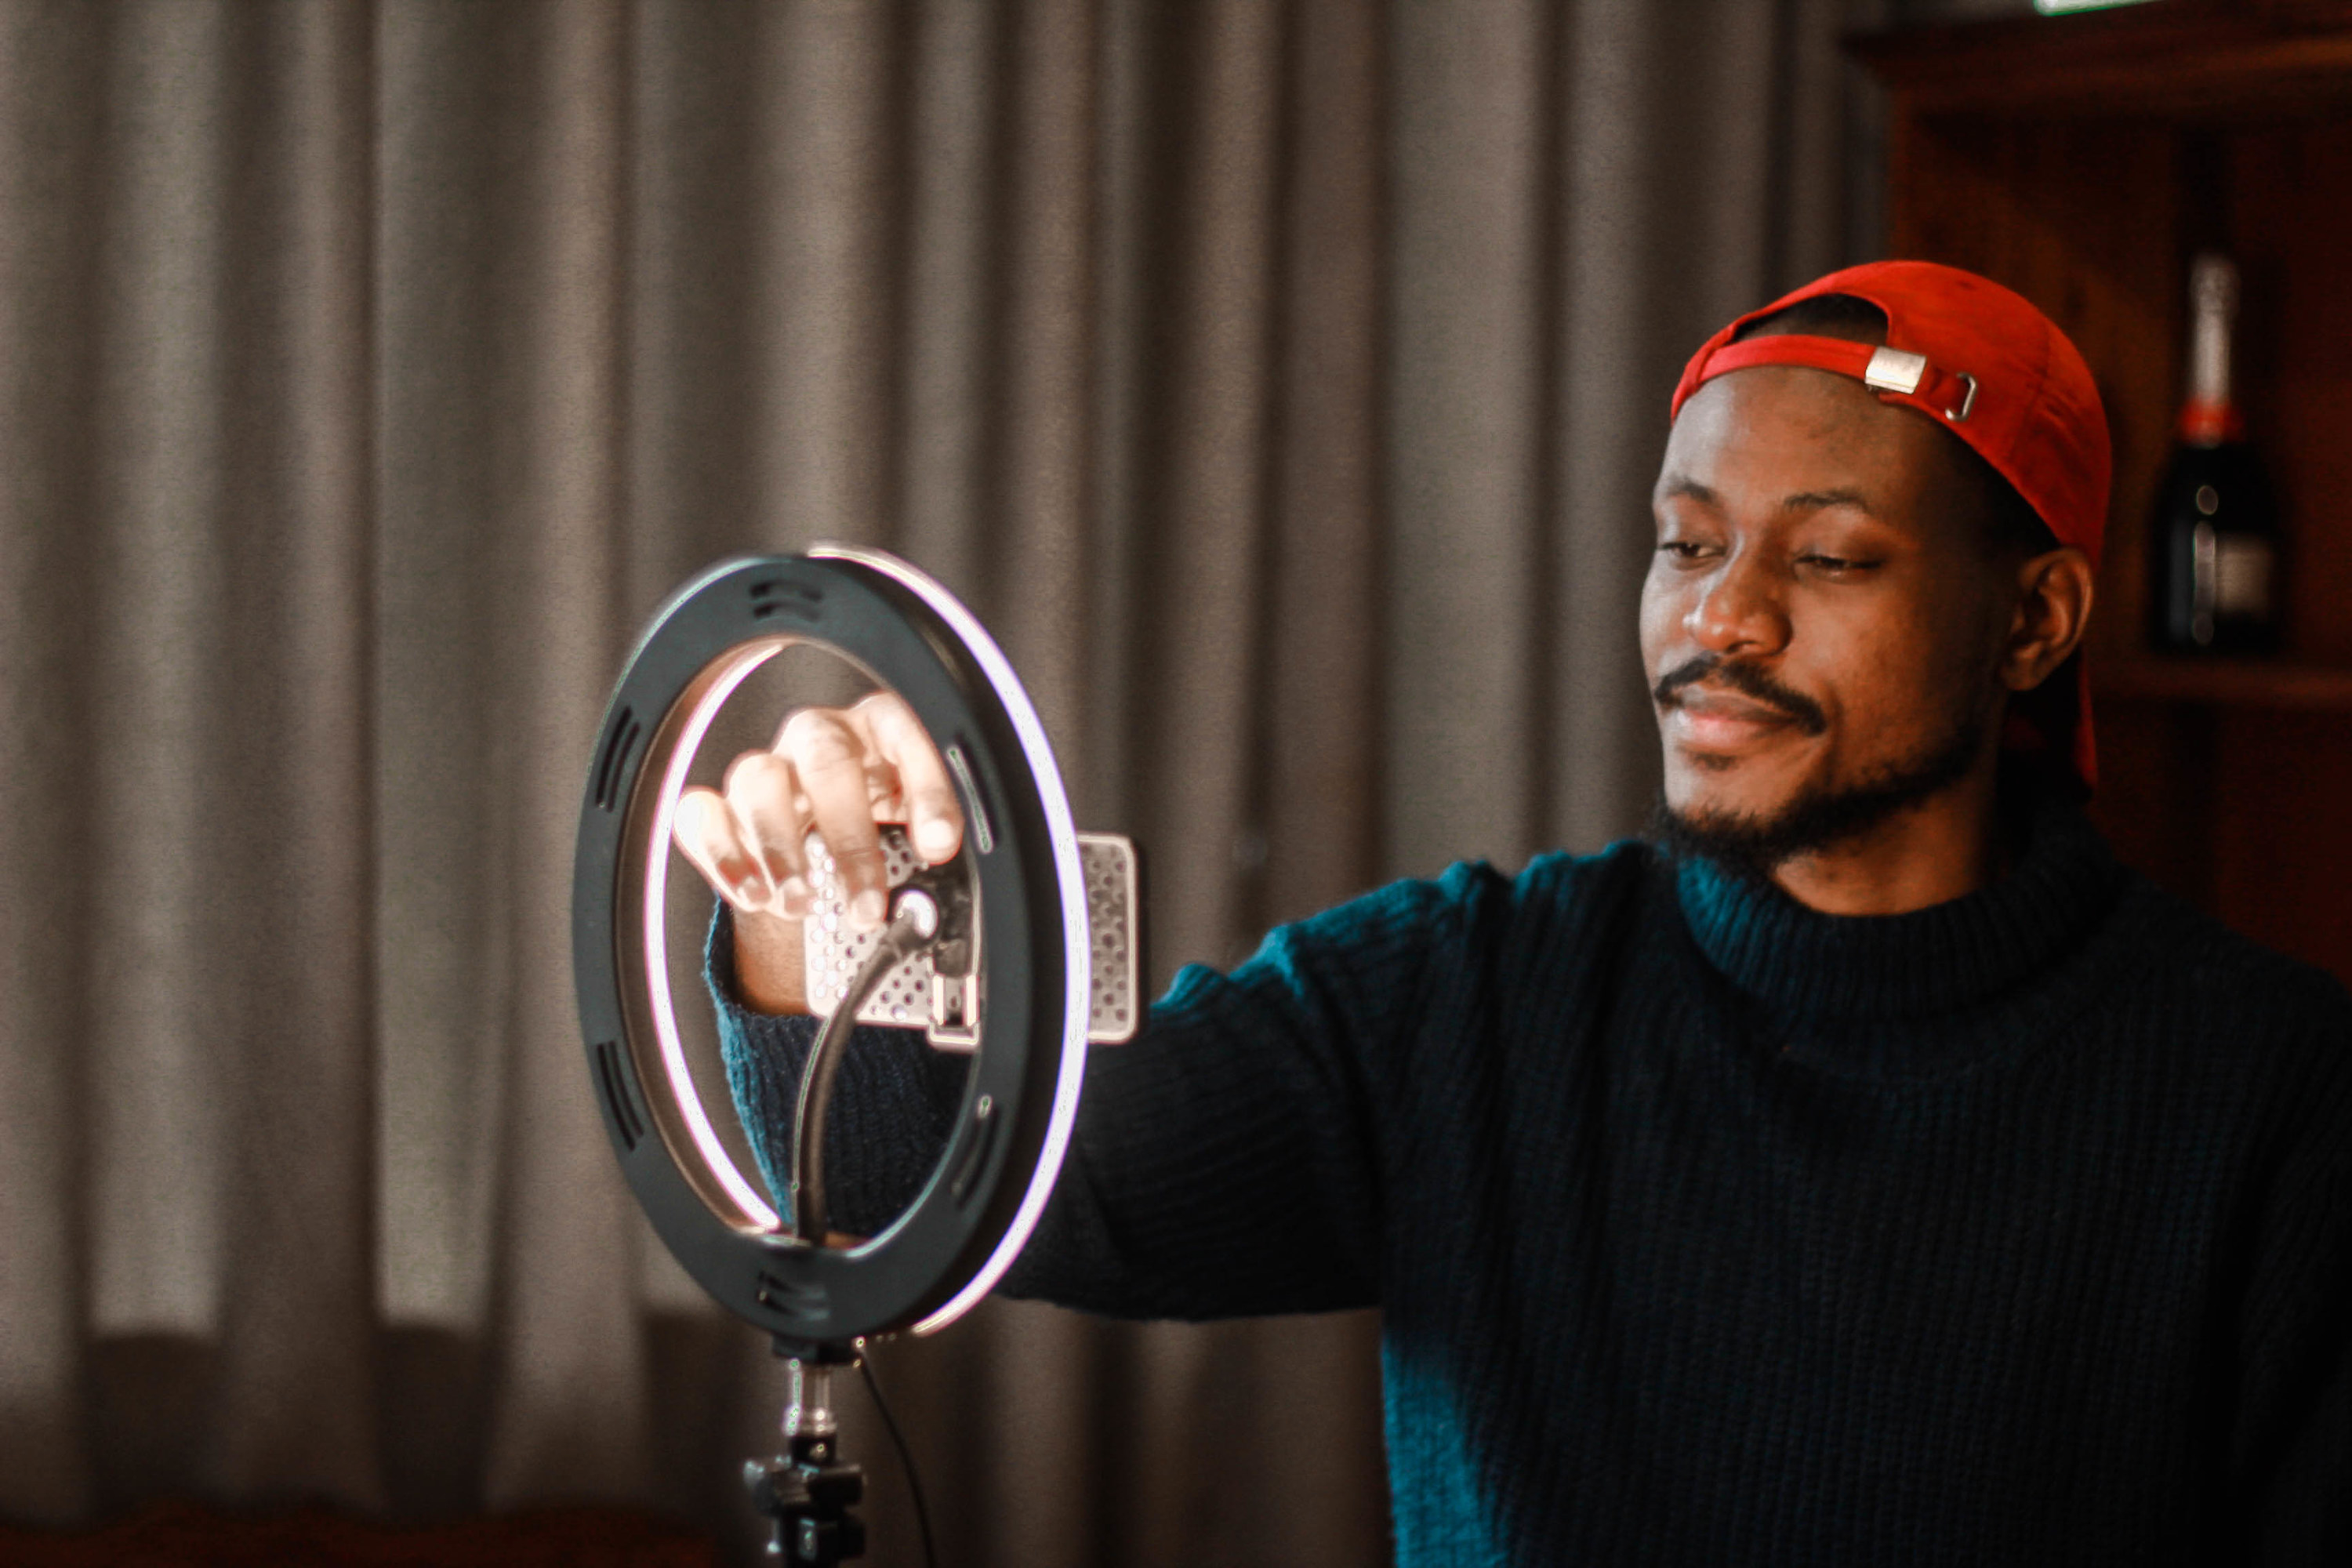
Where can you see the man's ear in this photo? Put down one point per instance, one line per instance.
(2053, 606)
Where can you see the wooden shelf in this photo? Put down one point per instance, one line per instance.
(2236, 682)
(2081, 161)
(2179, 60)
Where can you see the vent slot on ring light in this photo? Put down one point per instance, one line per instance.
(611, 1075)
(619, 744)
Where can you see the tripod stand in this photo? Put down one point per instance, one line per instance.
(807, 1492)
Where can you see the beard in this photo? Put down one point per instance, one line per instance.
(1756, 844)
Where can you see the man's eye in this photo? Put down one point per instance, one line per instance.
(1682, 549)
(1835, 565)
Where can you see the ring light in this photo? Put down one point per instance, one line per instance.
(984, 1196)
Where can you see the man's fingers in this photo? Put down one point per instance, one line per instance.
(760, 793)
(706, 835)
(934, 819)
(829, 761)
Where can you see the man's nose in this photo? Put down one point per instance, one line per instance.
(1739, 610)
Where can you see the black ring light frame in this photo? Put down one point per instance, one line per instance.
(1021, 1094)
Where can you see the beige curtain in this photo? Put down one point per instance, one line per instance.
(1284, 383)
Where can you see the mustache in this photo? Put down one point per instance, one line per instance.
(1749, 681)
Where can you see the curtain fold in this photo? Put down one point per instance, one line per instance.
(161, 650)
(1283, 383)
(50, 69)
(290, 1068)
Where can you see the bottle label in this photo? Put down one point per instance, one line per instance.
(2206, 424)
(2241, 576)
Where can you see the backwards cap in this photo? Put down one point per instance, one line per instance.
(1982, 363)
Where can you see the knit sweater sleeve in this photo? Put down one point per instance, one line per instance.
(893, 1105)
(1225, 1163)
(2292, 1437)
(1228, 1162)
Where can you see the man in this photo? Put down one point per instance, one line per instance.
(1870, 1170)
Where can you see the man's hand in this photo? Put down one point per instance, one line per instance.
(844, 772)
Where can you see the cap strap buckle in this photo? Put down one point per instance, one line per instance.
(1894, 370)
(1903, 373)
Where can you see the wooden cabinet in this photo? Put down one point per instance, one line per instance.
(2082, 160)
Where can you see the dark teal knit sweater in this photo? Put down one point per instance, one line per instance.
(1709, 1229)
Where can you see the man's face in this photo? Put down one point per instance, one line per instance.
(1821, 620)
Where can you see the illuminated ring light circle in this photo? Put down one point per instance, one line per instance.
(985, 1194)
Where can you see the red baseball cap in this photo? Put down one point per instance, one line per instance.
(1982, 363)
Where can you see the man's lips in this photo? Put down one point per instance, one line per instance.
(1714, 704)
(1711, 719)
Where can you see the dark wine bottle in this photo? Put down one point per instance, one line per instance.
(2215, 585)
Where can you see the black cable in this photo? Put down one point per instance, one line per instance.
(897, 942)
(906, 1455)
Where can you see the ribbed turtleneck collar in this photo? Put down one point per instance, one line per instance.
(1937, 960)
